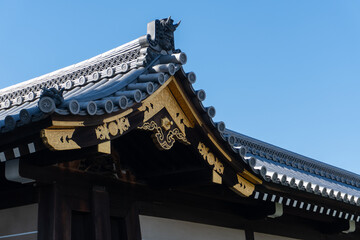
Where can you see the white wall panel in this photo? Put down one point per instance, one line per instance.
(154, 228)
(19, 223)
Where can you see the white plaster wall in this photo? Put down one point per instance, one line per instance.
(263, 236)
(19, 220)
(154, 228)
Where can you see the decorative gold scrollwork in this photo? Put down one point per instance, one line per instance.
(210, 158)
(117, 127)
(164, 142)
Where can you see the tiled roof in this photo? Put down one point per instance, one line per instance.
(106, 83)
(290, 169)
(117, 79)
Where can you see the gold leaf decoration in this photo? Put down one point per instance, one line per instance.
(119, 126)
(59, 139)
(164, 142)
(165, 99)
(243, 187)
(210, 158)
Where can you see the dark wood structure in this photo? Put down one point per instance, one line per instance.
(88, 149)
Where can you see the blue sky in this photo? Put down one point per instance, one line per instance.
(286, 72)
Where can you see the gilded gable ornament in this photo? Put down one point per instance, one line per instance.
(59, 139)
(164, 136)
(210, 158)
(243, 187)
(106, 130)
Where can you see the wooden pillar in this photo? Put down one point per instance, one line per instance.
(54, 215)
(67, 212)
(132, 223)
(101, 213)
(249, 234)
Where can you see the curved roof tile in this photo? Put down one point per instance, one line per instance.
(115, 80)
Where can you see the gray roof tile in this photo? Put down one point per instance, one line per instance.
(115, 80)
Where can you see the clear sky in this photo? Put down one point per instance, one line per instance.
(283, 71)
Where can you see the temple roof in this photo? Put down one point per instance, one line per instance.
(288, 168)
(116, 80)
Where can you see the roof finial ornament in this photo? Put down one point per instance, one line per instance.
(161, 34)
(168, 24)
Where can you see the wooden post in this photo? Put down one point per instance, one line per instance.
(132, 223)
(249, 234)
(54, 216)
(101, 213)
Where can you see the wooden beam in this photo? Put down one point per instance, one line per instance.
(18, 195)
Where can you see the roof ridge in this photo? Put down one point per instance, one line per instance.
(30, 90)
(74, 67)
